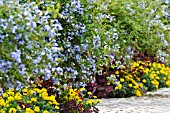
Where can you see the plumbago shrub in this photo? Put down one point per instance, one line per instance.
(61, 40)
(43, 38)
(126, 27)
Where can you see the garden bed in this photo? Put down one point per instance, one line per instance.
(63, 56)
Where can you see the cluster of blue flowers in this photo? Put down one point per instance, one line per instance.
(50, 40)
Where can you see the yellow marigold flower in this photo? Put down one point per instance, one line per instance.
(127, 77)
(157, 77)
(144, 80)
(117, 72)
(168, 83)
(18, 94)
(10, 98)
(164, 78)
(82, 89)
(162, 71)
(10, 93)
(122, 70)
(4, 95)
(71, 91)
(12, 110)
(108, 83)
(141, 85)
(43, 90)
(136, 86)
(79, 101)
(11, 90)
(136, 64)
(52, 98)
(29, 110)
(55, 102)
(31, 92)
(2, 102)
(89, 102)
(17, 97)
(37, 90)
(98, 100)
(89, 93)
(159, 66)
(45, 111)
(44, 94)
(33, 99)
(2, 111)
(122, 80)
(25, 90)
(37, 109)
(154, 65)
(138, 93)
(153, 82)
(77, 97)
(146, 70)
(130, 85)
(94, 96)
(18, 107)
(141, 67)
(6, 105)
(118, 87)
(157, 72)
(57, 107)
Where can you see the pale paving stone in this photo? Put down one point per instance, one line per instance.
(153, 102)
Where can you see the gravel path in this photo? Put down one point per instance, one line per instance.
(152, 102)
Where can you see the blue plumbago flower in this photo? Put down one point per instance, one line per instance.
(55, 49)
(59, 70)
(96, 41)
(16, 56)
(37, 60)
(78, 57)
(22, 69)
(55, 81)
(84, 47)
(5, 65)
(75, 73)
(13, 29)
(50, 57)
(42, 70)
(17, 37)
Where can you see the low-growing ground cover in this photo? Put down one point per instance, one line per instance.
(36, 100)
